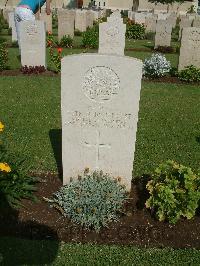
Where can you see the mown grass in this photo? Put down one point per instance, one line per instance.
(168, 125)
(26, 252)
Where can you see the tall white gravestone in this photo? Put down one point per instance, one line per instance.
(163, 33)
(100, 104)
(66, 21)
(190, 48)
(33, 43)
(112, 35)
(12, 25)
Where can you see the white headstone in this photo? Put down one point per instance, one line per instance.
(66, 20)
(163, 33)
(100, 104)
(190, 48)
(33, 43)
(12, 25)
(81, 20)
(47, 20)
(112, 35)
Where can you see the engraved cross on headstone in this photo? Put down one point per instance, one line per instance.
(98, 146)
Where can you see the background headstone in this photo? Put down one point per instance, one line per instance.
(185, 22)
(112, 35)
(150, 23)
(66, 20)
(163, 33)
(81, 20)
(12, 25)
(33, 43)
(190, 48)
(47, 20)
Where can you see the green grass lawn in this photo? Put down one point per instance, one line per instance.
(168, 122)
(26, 252)
(168, 128)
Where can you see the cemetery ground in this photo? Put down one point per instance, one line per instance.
(168, 128)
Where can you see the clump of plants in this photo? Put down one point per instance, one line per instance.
(66, 41)
(135, 31)
(174, 192)
(32, 69)
(93, 201)
(14, 184)
(50, 42)
(55, 57)
(3, 56)
(9, 30)
(90, 38)
(190, 74)
(156, 66)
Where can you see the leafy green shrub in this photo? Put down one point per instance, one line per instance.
(94, 200)
(190, 74)
(173, 72)
(135, 31)
(66, 41)
(174, 192)
(150, 35)
(3, 57)
(90, 38)
(14, 184)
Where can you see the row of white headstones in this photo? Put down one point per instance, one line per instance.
(100, 98)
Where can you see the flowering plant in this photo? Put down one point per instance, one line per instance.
(14, 185)
(50, 40)
(156, 66)
(56, 56)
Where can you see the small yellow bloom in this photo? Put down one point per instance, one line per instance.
(4, 167)
(1, 126)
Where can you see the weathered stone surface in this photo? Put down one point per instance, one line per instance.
(66, 20)
(185, 22)
(190, 48)
(47, 20)
(81, 20)
(150, 23)
(112, 35)
(11, 23)
(163, 33)
(33, 43)
(196, 22)
(100, 103)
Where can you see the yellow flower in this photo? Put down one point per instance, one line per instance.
(4, 167)
(1, 127)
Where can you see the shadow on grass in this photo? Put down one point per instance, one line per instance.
(16, 239)
(55, 136)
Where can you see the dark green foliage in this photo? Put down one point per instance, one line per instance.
(9, 31)
(77, 33)
(90, 38)
(3, 57)
(165, 49)
(94, 200)
(150, 35)
(174, 192)
(15, 185)
(15, 44)
(66, 41)
(190, 74)
(173, 72)
(166, 1)
(135, 31)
